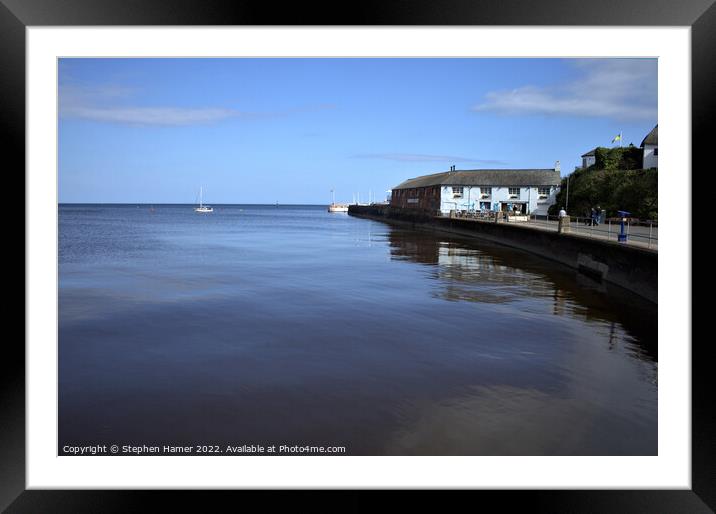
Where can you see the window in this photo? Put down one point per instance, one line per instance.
(656, 152)
(514, 191)
(486, 191)
(457, 192)
(543, 191)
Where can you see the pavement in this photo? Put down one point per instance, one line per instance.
(637, 235)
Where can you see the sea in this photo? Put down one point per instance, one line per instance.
(288, 326)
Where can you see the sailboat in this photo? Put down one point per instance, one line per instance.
(202, 208)
(336, 207)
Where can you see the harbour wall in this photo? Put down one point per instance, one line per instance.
(630, 267)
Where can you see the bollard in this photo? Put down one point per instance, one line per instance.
(563, 225)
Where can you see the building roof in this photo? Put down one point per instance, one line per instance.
(652, 138)
(548, 177)
(590, 153)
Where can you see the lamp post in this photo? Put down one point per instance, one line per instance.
(622, 237)
(566, 203)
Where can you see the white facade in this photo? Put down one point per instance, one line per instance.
(650, 148)
(651, 156)
(528, 200)
(588, 160)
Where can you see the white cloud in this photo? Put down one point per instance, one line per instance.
(623, 89)
(107, 103)
(111, 103)
(150, 115)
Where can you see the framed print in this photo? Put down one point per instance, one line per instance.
(414, 249)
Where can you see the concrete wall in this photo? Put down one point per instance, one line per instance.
(632, 268)
(472, 199)
(651, 159)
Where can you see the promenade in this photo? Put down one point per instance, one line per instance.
(642, 236)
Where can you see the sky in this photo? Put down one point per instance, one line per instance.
(291, 130)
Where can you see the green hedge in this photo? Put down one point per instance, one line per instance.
(627, 158)
(633, 190)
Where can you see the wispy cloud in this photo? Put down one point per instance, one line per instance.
(112, 104)
(416, 157)
(150, 115)
(623, 89)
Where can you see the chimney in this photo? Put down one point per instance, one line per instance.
(556, 166)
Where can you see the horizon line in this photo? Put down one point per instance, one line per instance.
(174, 203)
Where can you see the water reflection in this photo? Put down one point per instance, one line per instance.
(271, 326)
(508, 420)
(483, 272)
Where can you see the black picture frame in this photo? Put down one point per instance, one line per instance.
(16, 15)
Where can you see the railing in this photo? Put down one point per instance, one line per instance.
(638, 233)
(643, 233)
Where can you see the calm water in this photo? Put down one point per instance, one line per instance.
(288, 325)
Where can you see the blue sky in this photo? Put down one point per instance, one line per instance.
(290, 130)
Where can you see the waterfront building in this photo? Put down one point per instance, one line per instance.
(650, 146)
(527, 191)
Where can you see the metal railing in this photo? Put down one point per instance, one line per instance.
(641, 233)
(637, 233)
(475, 215)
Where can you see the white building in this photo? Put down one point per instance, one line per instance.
(527, 191)
(650, 146)
(589, 158)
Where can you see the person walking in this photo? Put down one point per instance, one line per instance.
(598, 216)
(593, 217)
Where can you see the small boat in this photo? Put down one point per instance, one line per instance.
(203, 208)
(337, 207)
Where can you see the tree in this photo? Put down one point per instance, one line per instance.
(618, 158)
(633, 190)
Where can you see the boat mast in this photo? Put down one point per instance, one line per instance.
(201, 196)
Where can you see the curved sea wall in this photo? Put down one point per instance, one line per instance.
(630, 267)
